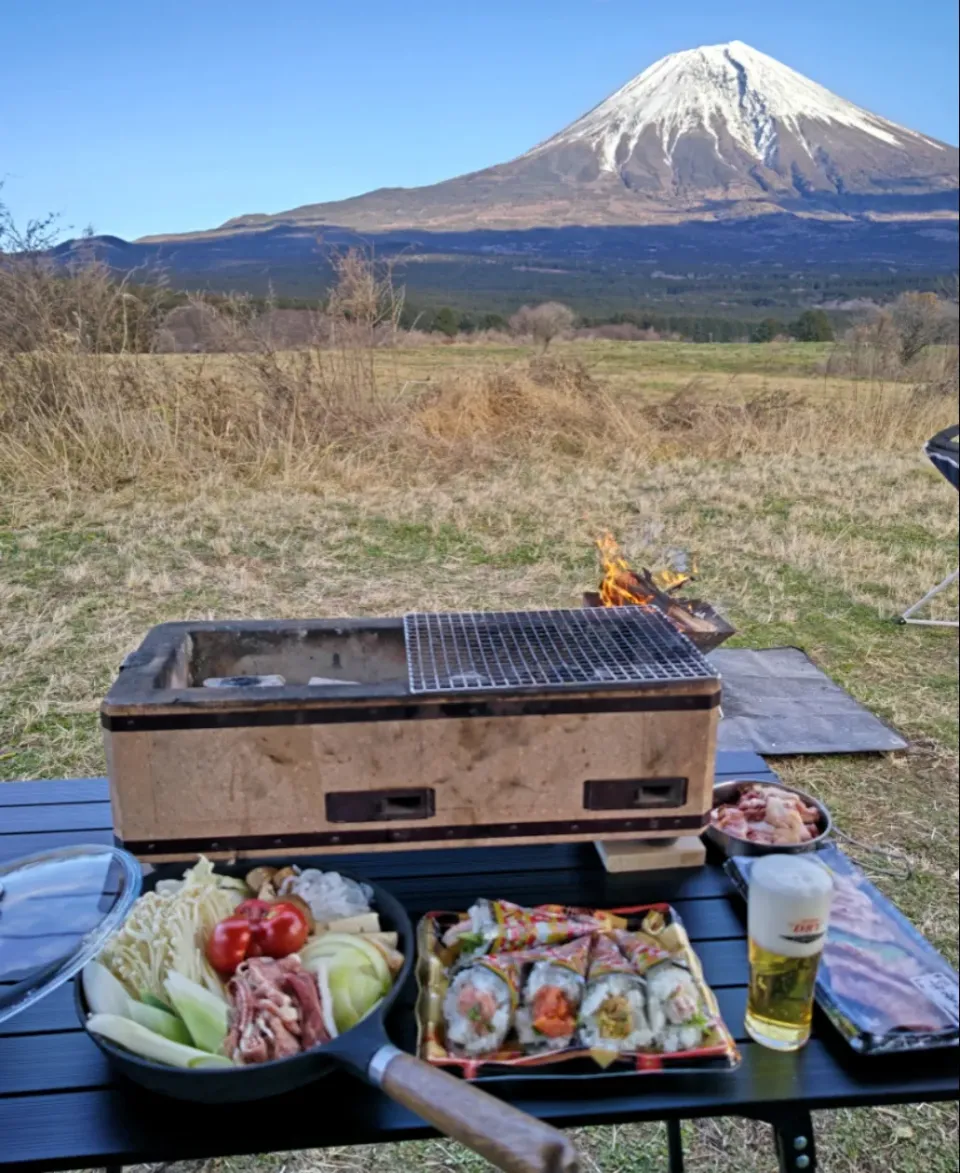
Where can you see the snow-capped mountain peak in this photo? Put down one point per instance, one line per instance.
(722, 131)
(731, 93)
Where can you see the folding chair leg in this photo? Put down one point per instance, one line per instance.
(905, 617)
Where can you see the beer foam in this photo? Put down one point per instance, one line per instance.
(788, 906)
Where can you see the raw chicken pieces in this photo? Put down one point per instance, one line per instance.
(768, 814)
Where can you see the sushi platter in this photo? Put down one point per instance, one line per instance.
(565, 991)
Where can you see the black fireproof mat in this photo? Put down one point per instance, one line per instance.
(777, 701)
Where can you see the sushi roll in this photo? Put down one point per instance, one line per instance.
(547, 1018)
(479, 1006)
(613, 1017)
(674, 1008)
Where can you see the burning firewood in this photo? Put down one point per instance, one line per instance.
(623, 586)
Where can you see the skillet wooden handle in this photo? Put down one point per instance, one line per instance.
(505, 1136)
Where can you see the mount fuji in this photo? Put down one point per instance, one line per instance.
(718, 132)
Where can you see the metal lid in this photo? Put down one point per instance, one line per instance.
(57, 908)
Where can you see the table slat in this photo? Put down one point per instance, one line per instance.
(123, 1125)
(568, 872)
(68, 816)
(53, 791)
(16, 846)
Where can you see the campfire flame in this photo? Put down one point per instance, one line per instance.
(622, 586)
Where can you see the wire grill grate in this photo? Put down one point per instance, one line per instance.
(591, 647)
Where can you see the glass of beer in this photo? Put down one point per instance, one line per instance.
(788, 909)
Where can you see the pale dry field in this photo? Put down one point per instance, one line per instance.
(489, 495)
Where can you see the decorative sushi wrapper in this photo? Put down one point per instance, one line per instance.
(499, 926)
(588, 942)
(573, 955)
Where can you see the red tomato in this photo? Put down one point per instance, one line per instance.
(229, 944)
(282, 931)
(276, 929)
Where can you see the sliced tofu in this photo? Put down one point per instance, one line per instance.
(368, 922)
(391, 940)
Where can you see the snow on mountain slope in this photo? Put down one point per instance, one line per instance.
(716, 87)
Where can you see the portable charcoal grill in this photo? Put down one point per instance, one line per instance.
(431, 730)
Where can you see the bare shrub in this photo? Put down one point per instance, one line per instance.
(364, 300)
(195, 328)
(920, 320)
(543, 322)
(914, 339)
(80, 305)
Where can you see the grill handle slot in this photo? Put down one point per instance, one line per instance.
(630, 794)
(380, 806)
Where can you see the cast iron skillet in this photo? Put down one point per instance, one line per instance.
(505, 1136)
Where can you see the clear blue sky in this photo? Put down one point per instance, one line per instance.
(172, 115)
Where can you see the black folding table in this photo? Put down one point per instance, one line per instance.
(62, 1108)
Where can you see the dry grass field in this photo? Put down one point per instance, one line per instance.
(137, 489)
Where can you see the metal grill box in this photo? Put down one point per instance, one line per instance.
(246, 738)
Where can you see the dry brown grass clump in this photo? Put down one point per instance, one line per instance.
(884, 417)
(546, 406)
(96, 419)
(82, 404)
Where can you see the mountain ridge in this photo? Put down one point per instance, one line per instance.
(721, 131)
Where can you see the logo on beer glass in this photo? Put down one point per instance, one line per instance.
(805, 932)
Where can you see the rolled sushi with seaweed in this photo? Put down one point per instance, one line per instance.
(613, 1014)
(547, 1017)
(675, 1010)
(480, 1004)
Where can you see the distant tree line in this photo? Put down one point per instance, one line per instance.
(537, 321)
(689, 327)
(810, 326)
(88, 306)
(445, 319)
